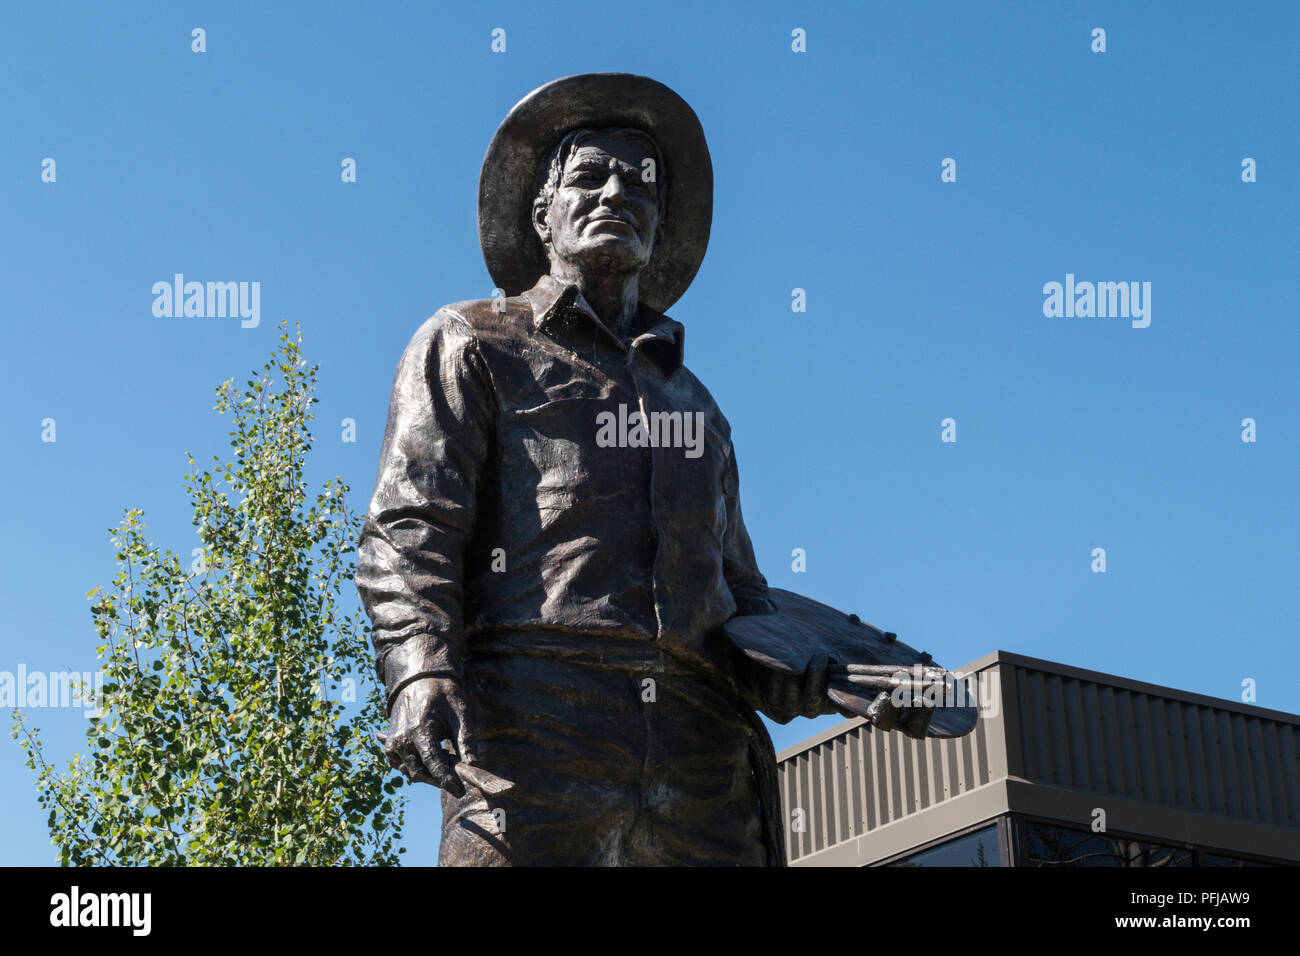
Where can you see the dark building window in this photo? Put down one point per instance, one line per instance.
(977, 848)
(1219, 859)
(1048, 845)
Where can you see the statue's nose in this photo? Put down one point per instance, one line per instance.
(614, 190)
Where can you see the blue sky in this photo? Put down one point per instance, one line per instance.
(924, 298)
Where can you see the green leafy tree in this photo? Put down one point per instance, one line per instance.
(225, 735)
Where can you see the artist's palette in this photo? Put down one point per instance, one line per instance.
(804, 630)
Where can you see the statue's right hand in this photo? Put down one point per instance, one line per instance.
(426, 712)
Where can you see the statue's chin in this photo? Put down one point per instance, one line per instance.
(608, 258)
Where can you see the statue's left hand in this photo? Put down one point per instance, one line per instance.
(783, 695)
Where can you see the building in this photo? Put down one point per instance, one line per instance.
(1065, 767)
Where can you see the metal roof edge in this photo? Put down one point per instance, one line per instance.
(1064, 670)
(842, 727)
(1128, 683)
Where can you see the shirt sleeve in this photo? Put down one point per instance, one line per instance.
(739, 567)
(410, 558)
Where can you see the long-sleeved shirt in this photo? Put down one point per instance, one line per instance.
(538, 471)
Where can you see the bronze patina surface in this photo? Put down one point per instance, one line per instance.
(555, 543)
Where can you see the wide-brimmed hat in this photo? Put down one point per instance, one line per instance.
(508, 184)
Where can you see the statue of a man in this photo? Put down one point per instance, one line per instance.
(555, 538)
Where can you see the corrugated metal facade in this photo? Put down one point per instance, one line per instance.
(862, 779)
(1047, 731)
(1103, 738)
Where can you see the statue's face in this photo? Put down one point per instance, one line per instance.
(603, 216)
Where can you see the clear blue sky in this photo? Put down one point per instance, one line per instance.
(924, 298)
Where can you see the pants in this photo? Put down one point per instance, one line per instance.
(621, 755)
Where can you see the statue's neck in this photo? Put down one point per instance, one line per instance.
(613, 298)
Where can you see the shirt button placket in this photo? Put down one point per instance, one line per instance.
(638, 385)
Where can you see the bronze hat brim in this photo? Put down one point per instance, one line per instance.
(507, 185)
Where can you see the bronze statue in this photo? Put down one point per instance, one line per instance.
(555, 541)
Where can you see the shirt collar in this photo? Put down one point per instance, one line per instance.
(558, 306)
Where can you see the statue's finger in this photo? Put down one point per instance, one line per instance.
(882, 713)
(416, 771)
(925, 673)
(879, 682)
(458, 727)
(875, 668)
(465, 743)
(851, 702)
(438, 763)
